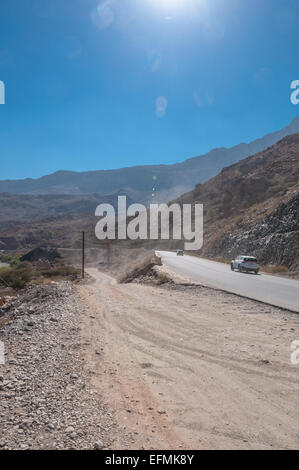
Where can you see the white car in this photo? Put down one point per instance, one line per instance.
(244, 264)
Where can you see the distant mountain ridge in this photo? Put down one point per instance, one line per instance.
(139, 182)
(28, 208)
(250, 207)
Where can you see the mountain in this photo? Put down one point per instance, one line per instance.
(29, 208)
(168, 181)
(252, 207)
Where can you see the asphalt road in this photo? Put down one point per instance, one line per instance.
(273, 290)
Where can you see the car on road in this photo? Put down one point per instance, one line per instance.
(245, 264)
(180, 253)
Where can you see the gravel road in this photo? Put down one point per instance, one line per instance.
(133, 366)
(191, 367)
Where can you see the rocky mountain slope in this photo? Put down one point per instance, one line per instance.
(167, 181)
(252, 206)
(274, 240)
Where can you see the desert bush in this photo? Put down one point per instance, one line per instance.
(274, 268)
(140, 269)
(15, 261)
(239, 220)
(17, 276)
(163, 278)
(6, 258)
(12, 260)
(61, 271)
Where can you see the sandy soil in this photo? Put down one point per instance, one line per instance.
(191, 367)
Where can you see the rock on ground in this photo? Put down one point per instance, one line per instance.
(45, 399)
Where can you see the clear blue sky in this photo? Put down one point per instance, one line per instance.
(106, 84)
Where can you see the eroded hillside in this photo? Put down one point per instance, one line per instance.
(252, 206)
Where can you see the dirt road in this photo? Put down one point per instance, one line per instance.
(191, 367)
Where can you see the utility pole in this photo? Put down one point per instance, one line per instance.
(83, 254)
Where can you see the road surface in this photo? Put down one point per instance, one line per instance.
(3, 265)
(273, 290)
(189, 368)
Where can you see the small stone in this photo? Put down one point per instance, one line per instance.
(98, 445)
(69, 429)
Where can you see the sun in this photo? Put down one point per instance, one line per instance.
(168, 5)
(175, 9)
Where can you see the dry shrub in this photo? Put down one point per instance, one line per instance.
(139, 269)
(17, 276)
(62, 271)
(219, 259)
(274, 268)
(163, 278)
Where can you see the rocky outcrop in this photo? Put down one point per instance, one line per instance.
(44, 254)
(8, 243)
(274, 240)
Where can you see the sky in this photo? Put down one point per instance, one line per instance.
(114, 83)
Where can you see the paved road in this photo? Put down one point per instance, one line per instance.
(274, 290)
(3, 265)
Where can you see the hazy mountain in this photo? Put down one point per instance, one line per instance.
(251, 206)
(167, 181)
(28, 207)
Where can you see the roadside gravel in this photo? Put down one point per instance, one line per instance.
(45, 398)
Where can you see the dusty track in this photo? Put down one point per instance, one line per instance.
(188, 367)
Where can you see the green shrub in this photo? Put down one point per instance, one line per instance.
(12, 260)
(6, 258)
(17, 276)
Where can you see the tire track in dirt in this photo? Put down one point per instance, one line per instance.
(216, 364)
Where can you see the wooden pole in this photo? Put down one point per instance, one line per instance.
(83, 255)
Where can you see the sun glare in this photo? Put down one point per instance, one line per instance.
(169, 5)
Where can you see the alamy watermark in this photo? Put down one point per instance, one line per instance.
(159, 222)
(295, 93)
(2, 354)
(2, 92)
(295, 353)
